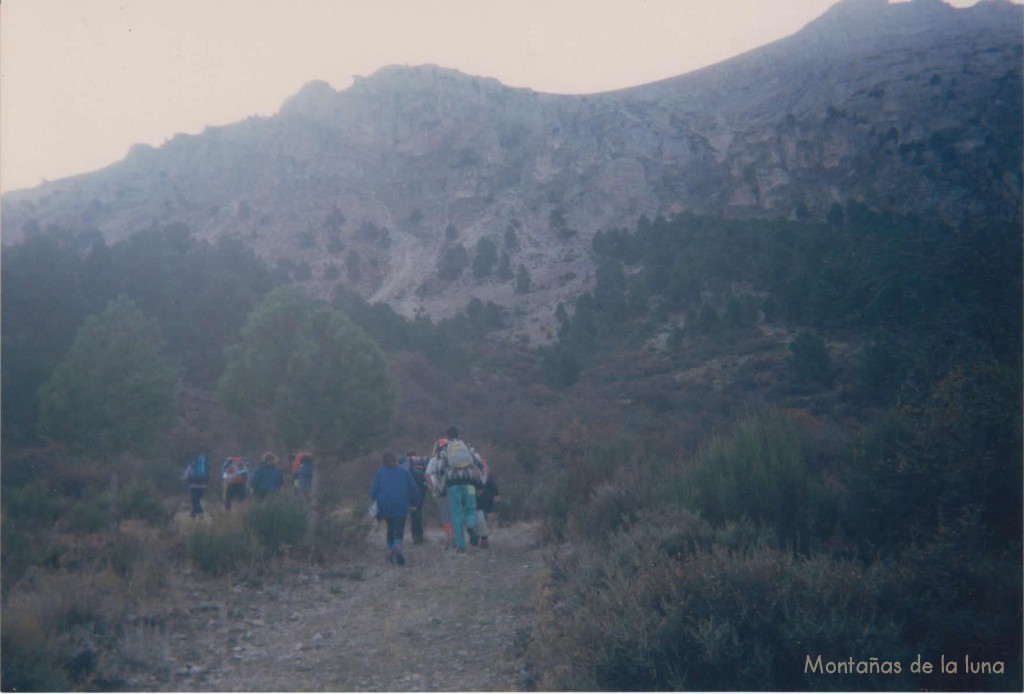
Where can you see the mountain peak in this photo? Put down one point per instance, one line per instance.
(313, 97)
(418, 77)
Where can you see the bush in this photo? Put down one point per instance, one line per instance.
(343, 530)
(90, 514)
(810, 360)
(140, 499)
(219, 549)
(29, 657)
(56, 627)
(761, 472)
(671, 604)
(32, 505)
(279, 519)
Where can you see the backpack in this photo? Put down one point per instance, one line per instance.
(460, 465)
(237, 472)
(298, 461)
(459, 455)
(200, 472)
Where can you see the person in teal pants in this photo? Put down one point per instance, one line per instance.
(460, 481)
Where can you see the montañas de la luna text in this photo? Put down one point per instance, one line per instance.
(877, 666)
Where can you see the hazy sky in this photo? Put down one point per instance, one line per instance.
(81, 81)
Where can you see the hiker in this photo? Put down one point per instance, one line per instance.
(395, 492)
(302, 472)
(417, 467)
(486, 494)
(235, 475)
(435, 483)
(266, 477)
(461, 471)
(197, 473)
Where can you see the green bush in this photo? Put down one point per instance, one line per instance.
(89, 514)
(217, 550)
(810, 360)
(671, 604)
(761, 472)
(279, 519)
(140, 499)
(33, 505)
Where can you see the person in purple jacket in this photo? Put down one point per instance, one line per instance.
(395, 492)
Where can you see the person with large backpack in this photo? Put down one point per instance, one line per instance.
(460, 469)
(394, 492)
(266, 477)
(435, 483)
(235, 475)
(417, 467)
(197, 474)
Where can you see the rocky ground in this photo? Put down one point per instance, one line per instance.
(443, 622)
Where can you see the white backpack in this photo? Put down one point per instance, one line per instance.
(458, 454)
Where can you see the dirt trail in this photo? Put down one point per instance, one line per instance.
(366, 625)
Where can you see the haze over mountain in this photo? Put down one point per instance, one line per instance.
(911, 107)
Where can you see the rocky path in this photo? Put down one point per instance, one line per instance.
(442, 622)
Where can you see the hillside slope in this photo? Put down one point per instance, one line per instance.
(911, 107)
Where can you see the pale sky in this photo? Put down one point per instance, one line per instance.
(81, 81)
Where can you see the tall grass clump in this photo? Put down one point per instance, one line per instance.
(279, 519)
(761, 472)
(221, 548)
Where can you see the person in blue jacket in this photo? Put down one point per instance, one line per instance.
(395, 492)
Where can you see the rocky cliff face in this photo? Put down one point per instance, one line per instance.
(914, 107)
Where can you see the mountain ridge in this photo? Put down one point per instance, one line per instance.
(910, 107)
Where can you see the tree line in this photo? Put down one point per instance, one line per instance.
(921, 294)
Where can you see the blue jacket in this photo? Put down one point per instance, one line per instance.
(394, 491)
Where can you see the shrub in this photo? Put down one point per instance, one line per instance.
(342, 531)
(670, 603)
(810, 360)
(279, 519)
(761, 472)
(29, 657)
(32, 505)
(218, 549)
(609, 509)
(453, 263)
(140, 499)
(89, 514)
(55, 628)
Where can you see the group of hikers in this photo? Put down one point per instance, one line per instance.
(238, 481)
(457, 478)
(454, 475)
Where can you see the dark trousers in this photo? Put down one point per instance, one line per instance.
(233, 492)
(197, 501)
(396, 530)
(416, 521)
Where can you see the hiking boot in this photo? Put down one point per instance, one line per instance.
(474, 539)
(399, 558)
(484, 544)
